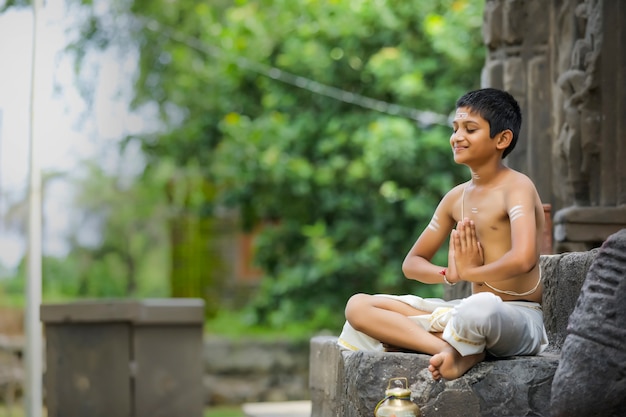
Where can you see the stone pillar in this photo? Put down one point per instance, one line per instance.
(564, 62)
(613, 86)
(518, 61)
(592, 148)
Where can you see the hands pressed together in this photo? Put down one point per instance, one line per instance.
(464, 252)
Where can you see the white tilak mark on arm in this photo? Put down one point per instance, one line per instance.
(516, 212)
(434, 224)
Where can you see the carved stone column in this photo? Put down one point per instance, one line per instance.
(592, 140)
(517, 34)
(564, 62)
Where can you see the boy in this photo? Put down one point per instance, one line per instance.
(499, 221)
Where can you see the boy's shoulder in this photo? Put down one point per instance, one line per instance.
(519, 178)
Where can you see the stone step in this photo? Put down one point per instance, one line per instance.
(350, 384)
(517, 386)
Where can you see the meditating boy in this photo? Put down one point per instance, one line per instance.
(494, 222)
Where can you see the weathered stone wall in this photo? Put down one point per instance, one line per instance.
(235, 370)
(591, 376)
(565, 62)
(251, 370)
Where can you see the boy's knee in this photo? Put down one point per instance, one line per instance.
(481, 301)
(355, 308)
(480, 309)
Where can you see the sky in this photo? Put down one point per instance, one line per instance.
(67, 130)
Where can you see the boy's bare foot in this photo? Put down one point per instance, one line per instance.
(449, 364)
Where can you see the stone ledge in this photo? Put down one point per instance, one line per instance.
(350, 384)
(586, 227)
(517, 386)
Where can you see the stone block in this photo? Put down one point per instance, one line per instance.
(493, 74)
(588, 224)
(590, 379)
(515, 79)
(539, 124)
(492, 24)
(563, 276)
(513, 387)
(350, 384)
(513, 22)
(538, 18)
(326, 371)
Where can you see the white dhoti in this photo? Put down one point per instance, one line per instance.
(471, 325)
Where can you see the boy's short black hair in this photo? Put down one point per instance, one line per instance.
(498, 108)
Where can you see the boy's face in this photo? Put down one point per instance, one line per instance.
(470, 137)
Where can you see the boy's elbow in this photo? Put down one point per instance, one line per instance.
(413, 267)
(523, 260)
(527, 264)
(406, 267)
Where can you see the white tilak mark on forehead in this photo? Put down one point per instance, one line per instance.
(516, 212)
(461, 115)
(434, 224)
(474, 210)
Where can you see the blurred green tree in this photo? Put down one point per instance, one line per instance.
(317, 120)
(119, 241)
(269, 100)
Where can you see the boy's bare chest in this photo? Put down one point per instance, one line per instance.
(488, 212)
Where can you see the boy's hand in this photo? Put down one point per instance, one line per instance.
(468, 253)
(451, 275)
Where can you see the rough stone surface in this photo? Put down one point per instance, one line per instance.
(591, 376)
(563, 61)
(350, 384)
(515, 387)
(325, 371)
(563, 276)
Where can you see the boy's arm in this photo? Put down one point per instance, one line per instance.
(417, 263)
(523, 254)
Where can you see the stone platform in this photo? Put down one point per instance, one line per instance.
(350, 384)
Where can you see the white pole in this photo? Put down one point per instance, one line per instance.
(1, 187)
(33, 350)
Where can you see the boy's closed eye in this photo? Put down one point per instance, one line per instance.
(468, 130)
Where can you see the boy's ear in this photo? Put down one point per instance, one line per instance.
(504, 139)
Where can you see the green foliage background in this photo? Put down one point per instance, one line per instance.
(341, 190)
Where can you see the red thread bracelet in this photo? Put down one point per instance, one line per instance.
(445, 279)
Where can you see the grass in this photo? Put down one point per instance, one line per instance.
(235, 324)
(224, 412)
(17, 410)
